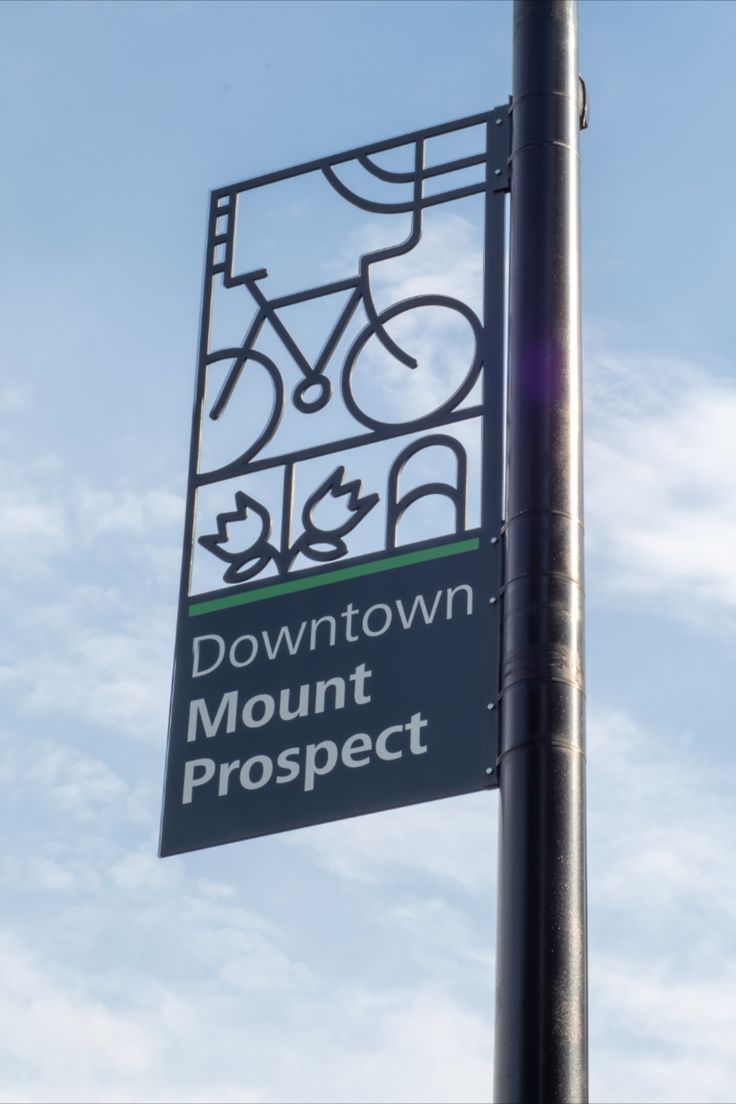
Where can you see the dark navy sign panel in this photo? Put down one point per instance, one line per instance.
(362, 694)
(337, 640)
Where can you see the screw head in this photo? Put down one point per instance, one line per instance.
(499, 122)
(492, 601)
(494, 540)
(491, 705)
(496, 172)
(489, 770)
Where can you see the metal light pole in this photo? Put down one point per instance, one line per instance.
(541, 999)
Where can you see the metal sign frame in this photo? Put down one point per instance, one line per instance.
(305, 540)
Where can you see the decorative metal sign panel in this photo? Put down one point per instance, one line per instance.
(337, 643)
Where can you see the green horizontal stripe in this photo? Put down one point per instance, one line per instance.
(291, 586)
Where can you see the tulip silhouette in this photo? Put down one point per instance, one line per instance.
(324, 545)
(244, 562)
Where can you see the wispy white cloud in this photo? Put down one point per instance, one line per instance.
(115, 678)
(48, 522)
(125, 511)
(17, 396)
(661, 483)
(420, 879)
(348, 1039)
(404, 1045)
(63, 1041)
(436, 926)
(674, 1030)
(654, 851)
(81, 568)
(77, 783)
(453, 840)
(661, 904)
(61, 1037)
(33, 528)
(662, 909)
(190, 951)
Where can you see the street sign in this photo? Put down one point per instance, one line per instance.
(337, 647)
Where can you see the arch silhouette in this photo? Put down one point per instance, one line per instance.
(397, 505)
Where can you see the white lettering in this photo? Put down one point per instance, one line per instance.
(311, 768)
(418, 603)
(207, 768)
(308, 763)
(210, 650)
(198, 708)
(381, 749)
(313, 631)
(338, 685)
(387, 618)
(284, 635)
(356, 745)
(286, 713)
(196, 644)
(233, 651)
(348, 614)
(286, 762)
(415, 725)
(246, 772)
(451, 594)
(269, 708)
(226, 769)
(359, 676)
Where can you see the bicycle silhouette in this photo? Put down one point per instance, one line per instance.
(314, 390)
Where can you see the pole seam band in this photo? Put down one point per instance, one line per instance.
(566, 745)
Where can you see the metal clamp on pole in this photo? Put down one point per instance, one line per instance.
(541, 1004)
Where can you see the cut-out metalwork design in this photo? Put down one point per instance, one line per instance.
(316, 542)
(339, 603)
(324, 545)
(456, 493)
(368, 345)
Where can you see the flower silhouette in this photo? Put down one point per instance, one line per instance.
(244, 562)
(246, 555)
(324, 545)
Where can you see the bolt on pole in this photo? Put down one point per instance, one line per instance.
(541, 961)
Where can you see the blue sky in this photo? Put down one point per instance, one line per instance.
(346, 962)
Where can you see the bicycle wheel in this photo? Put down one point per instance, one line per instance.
(445, 407)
